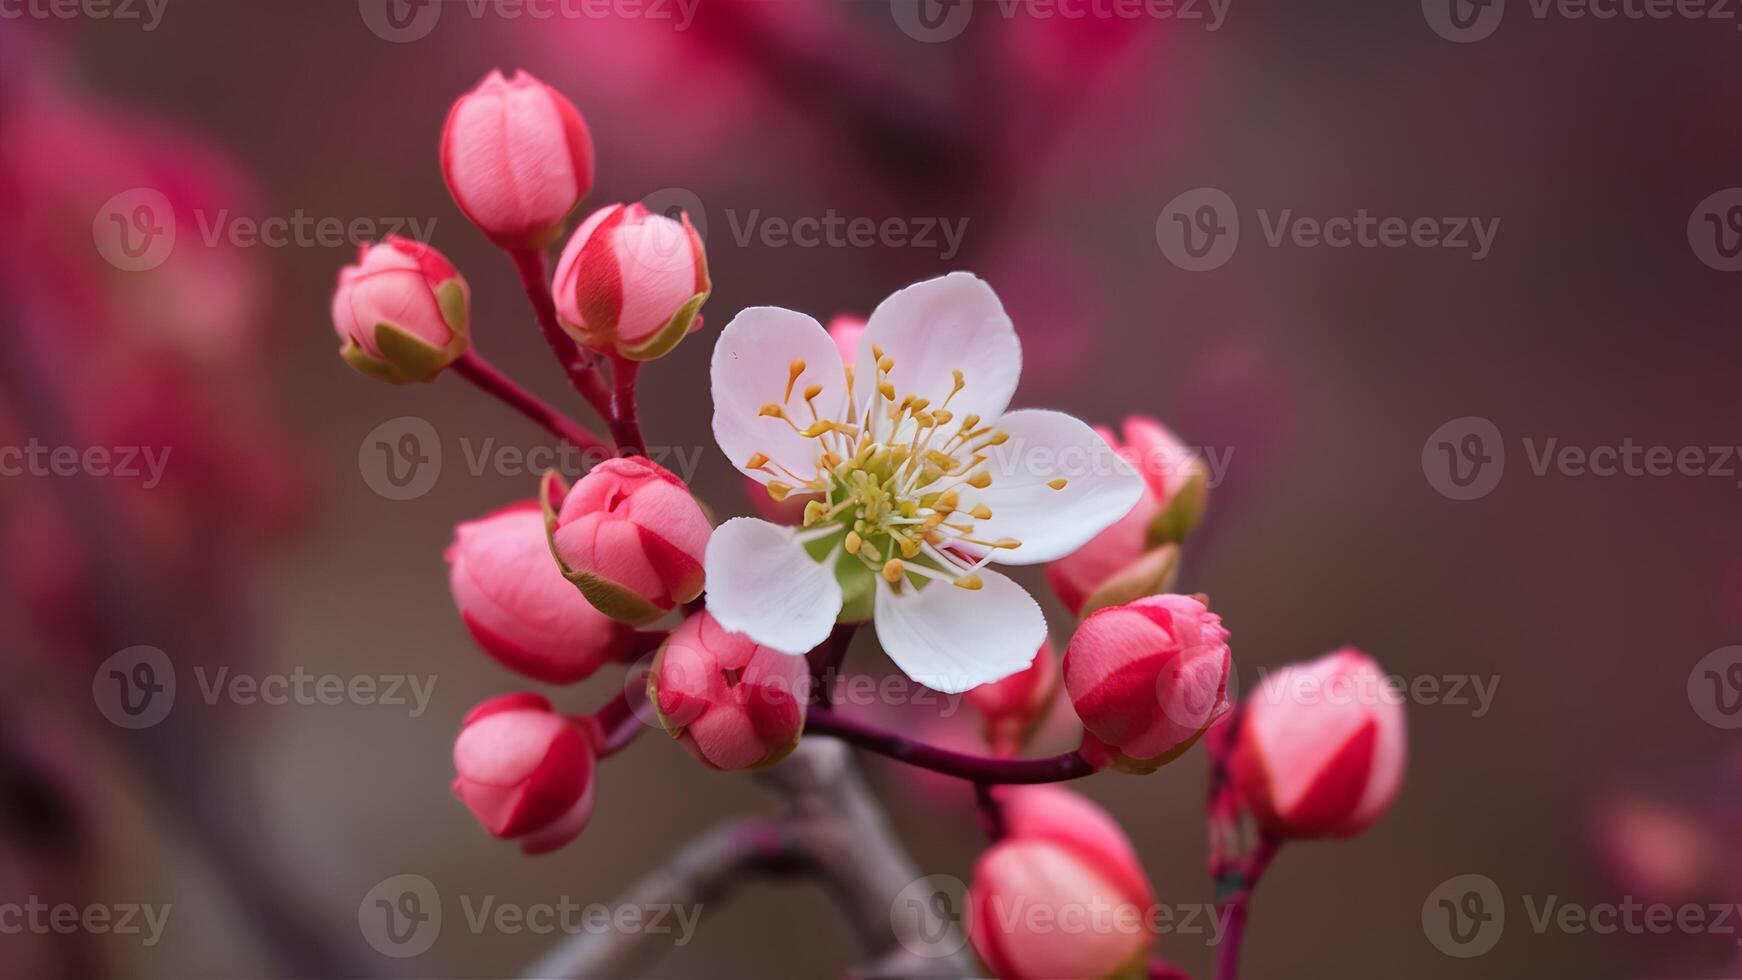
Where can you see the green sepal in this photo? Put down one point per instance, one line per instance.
(405, 358)
(1151, 573)
(1182, 512)
(667, 337)
(606, 596)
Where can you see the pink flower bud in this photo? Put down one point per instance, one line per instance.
(525, 771)
(732, 703)
(517, 158)
(844, 330)
(1147, 678)
(517, 605)
(1176, 476)
(401, 311)
(1013, 706)
(1320, 750)
(631, 537)
(630, 282)
(1062, 894)
(1132, 557)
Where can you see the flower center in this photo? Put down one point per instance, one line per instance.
(890, 477)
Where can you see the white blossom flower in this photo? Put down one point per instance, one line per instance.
(921, 480)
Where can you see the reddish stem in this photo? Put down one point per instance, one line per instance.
(826, 662)
(578, 363)
(1053, 769)
(618, 723)
(991, 812)
(624, 424)
(1237, 905)
(474, 368)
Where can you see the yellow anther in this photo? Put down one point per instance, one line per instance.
(970, 582)
(831, 459)
(943, 416)
(778, 490)
(998, 439)
(796, 369)
(909, 547)
(980, 480)
(1006, 543)
(921, 404)
(961, 382)
(884, 364)
(948, 501)
(756, 462)
(981, 512)
(887, 390)
(853, 542)
(969, 422)
(942, 461)
(816, 429)
(876, 352)
(1058, 484)
(812, 391)
(772, 411)
(815, 511)
(893, 569)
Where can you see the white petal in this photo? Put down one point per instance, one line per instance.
(951, 639)
(762, 583)
(1044, 446)
(751, 366)
(934, 328)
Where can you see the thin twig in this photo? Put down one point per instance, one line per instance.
(1052, 769)
(474, 368)
(581, 366)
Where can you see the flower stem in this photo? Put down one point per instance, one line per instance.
(474, 368)
(826, 662)
(991, 811)
(1053, 769)
(619, 722)
(1237, 904)
(578, 363)
(625, 425)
